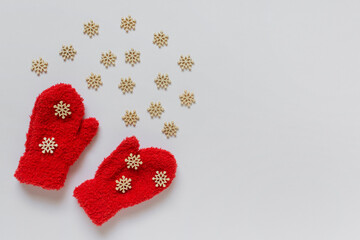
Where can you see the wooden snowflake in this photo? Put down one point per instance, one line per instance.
(48, 145)
(155, 109)
(170, 129)
(133, 161)
(62, 109)
(94, 81)
(123, 184)
(91, 29)
(126, 85)
(108, 59)
(160, 179)
(132, 57)
(185, 63)
(39, 66)
(128, 23)
(160, 39)
(67, 52)
(187, 99)
(130, 118)
(162, 81)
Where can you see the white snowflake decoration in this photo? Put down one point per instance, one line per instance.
(48, 145)
(62, 109)
(160, 179)
(123, 184)
(133, 161)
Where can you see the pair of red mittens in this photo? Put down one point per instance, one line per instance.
(57, 136)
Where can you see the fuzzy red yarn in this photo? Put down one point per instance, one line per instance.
(72, 134)
(99, 197)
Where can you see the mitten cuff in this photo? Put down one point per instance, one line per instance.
(49, 176)
(92, 197)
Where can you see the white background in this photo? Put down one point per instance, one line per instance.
(269, 151)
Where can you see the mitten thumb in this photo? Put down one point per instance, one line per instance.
(86, 132)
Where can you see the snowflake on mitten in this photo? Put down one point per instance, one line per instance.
(123, 184)
(48, 145)
(160, 179)
(133, 161)
(62, 109)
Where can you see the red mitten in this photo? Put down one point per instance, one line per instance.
(57, 135)
(127, 177)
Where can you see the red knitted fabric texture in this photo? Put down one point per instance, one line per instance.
(72, 134)
(99, 197)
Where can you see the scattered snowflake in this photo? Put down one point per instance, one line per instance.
(130, 118)
(155, 109)
(162, 81)
(39, 66)
(48, 145)
(123, 184)
(170, 129)
(132, 57)
(62, 109)
(185, 63)
(133, 161)
(160, 179)
(67, 52)
(128, 23)
(108, 59)
(187, 99)
(94, 81)
(126, 85)
(91, 29)
(160, 39)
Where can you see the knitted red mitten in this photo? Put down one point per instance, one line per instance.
(127, 177)
(57, 135)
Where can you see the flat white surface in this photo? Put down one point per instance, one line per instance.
(269, 151)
